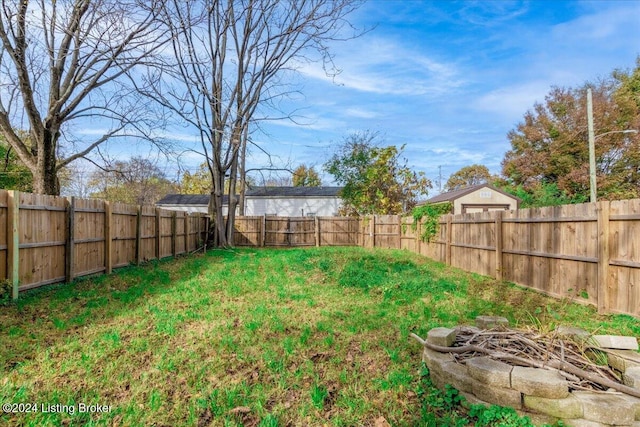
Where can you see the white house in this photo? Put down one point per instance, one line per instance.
(190, 203)
(270, 201)
(184, 202)
(477, 198)
(293, 201)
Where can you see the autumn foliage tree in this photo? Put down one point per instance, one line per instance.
(468, 176)
(550, 146)
(376, 179)
(304, 176)
(198, 182)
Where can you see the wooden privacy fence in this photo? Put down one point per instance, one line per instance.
(47, 239)
(587, 252)
(297, 231)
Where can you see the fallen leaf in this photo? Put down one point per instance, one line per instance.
(240, 410)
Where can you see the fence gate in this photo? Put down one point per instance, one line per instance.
(290, 231)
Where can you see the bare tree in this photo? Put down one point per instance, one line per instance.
(62, 62)
(231, 57)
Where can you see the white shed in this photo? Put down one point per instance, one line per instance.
(270, 201)
(477, 198)
(293, 201)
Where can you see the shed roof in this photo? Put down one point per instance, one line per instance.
(203, 199)
(294, 192)
(456, 194)
(187, 199)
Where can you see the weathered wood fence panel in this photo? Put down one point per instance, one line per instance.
(338, 231)
(41, 239)
(623, 275)
(88, 237)
(587, 252)
(386, 231)
(46, 239)
(248, 231)
(296, 231)
(4, 232)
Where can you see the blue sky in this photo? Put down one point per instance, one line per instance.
(450, 78)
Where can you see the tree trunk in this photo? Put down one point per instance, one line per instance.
(215, 209)
(233, 202)
(45, 177)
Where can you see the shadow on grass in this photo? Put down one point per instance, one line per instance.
(48, 316)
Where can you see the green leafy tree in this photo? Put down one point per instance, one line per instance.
(542, 195)
(551, 145)
(376, 179)
(468, 176)
(137, 181)
(305, 176)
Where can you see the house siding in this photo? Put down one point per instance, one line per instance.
(484, 199)
(293, 206)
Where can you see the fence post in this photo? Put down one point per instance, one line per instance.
(498, 237)
(372, 231)
(138, 233)
(70, 246)
(108, 261)
(317, 229)
(264, 230)
(399, 231)
(417, 231)
(158, 233)
(187, 231)
(602, 209)
(174, 228)
(13, 240)
(199, 233)
(447, 253)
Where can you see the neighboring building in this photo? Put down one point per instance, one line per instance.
(187, 202)
(271, 201)
(293, 201)
(477, 198)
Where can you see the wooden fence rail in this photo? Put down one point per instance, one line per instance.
(47, 239)
(297, 231)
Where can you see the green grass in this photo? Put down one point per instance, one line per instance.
(254, 337)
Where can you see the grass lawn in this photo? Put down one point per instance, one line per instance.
(270, 337)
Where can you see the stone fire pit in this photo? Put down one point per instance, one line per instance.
(547, 388)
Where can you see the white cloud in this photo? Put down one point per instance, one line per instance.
(511, 102)
(361, 113)
(381, 66)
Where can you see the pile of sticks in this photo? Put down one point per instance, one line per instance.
(576, 361)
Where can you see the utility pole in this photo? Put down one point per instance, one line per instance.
(440, 178)
(592, 149)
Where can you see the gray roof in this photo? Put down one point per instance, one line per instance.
(203, 199)
(187, 200)
(456, 194)
(294, 192)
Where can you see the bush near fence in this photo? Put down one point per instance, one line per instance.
(47, 239)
